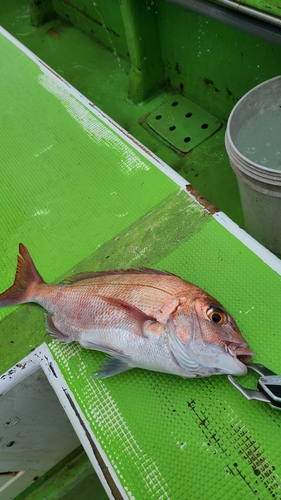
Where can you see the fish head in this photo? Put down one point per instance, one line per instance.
(210, 338)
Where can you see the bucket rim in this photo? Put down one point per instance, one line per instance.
(228, 137)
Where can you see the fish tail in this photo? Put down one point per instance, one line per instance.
(26, 277)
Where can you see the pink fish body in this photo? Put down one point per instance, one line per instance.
(142, 318)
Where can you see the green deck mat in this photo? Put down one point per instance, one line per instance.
(170, 438)
(80, 197)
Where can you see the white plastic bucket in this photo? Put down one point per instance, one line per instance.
(259, 186)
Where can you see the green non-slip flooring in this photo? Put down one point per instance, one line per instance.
(102, 76)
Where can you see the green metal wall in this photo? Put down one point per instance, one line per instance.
(168, 46)
(99, 19)
(211, 63)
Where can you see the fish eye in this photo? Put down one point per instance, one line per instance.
(216, 315)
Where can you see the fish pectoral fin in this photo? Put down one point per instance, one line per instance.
(56, 334)
(129, 312)
(112, 366)
(179, 352)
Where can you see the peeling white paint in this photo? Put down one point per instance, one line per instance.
(122, 215)
(40, 212)
(43, 150)
(251, 308)
(95, 128)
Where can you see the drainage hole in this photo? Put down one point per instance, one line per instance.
(158, 117)
(175, 103)
(35, 478)
(205, 125)
(188, 115)
(187, 139)
(10, 444)
(173, 127)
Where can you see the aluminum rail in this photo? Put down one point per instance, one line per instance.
(250, 11)
(250, 21)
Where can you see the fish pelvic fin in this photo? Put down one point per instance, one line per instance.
(26, 276)
(112, 366)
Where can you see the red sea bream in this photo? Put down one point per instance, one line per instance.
(140, 317)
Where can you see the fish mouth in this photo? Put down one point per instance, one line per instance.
(241, 351)
(235, 358)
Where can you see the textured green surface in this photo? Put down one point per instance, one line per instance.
(212, 64)
(90, 198)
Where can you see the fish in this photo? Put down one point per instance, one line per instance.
(141, 318)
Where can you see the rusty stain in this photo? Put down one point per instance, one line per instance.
(253, 457)
(207, 81)
(204, 422)
(88, 16)
(261, 467)
(53, 72)
(21, 365)
(177, 68)
(191, 404)
(54, 33)
(104, 469)
(212, 209)
(243, 477)
(143, 118)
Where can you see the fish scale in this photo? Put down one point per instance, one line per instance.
(148, 292)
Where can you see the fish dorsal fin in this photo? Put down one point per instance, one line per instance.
(95, 274)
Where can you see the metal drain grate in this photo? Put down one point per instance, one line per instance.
(182, 123)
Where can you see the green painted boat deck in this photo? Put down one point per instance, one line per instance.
(210, 64)
(81, 196)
